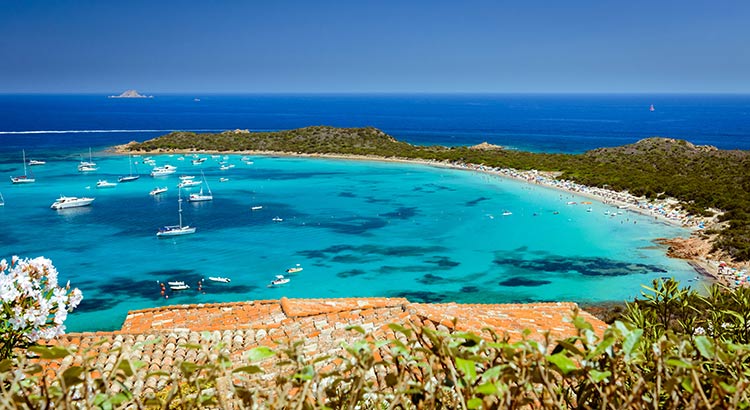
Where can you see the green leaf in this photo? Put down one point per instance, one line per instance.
(400, 329)
(391, 379)
(598, 376)
(631, 341)
(50, 352)
(356, 328)
(468, 368)
(728, 387)
(192, 346)
(474, 403)
(564, 363)
(492, 373)
(687, 384)
(608, 341)
(307, 373)
(188, 368)
(259, 353)
(705, 346)
(126, 367)
(581, 323)
(487, 389)
(72, 376)
(252, 369)
(5, 365)
(679, 363)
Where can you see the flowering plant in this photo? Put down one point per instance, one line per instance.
(33, 305)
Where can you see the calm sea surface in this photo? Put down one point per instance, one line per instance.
(357, 228)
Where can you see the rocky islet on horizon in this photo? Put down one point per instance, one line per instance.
(131, 94)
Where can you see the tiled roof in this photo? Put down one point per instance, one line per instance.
(159, 335)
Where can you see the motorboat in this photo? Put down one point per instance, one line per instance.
(176, 283)
(187, 183)
(198, 161)
(224, 167)
(507, 213)
(87, 168)
(295, 269)
(33, 162)
(179, 287)
(176, 230)
(186, 177)
(223, 179)
(23, 179)
(163, 171)
(200, 196)
(280, 280)
(257, 208)
(65, 202)
(157, 191)
(277, 219)
(131, 177)
(102, 183)
(219, 279)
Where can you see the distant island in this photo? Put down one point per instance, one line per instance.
(131, 94)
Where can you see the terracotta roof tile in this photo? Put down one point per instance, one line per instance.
(158, 336)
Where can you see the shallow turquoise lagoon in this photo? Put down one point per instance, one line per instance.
(357, 229)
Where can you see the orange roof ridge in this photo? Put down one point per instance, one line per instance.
(294, 308)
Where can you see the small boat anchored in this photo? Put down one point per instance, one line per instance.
(280, 280)
(295, 269)
(219, 279)
(157, 191)
(33, 162)
(102, 183)
(23, 179)
(131, 177)
(176, 230)
(256, 208)
(200, 196)
(163, 171)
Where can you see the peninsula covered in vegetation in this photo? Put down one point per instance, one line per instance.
(705, 180)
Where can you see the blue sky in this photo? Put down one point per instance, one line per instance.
(375, 46)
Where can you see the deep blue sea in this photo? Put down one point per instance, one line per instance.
(357, 228)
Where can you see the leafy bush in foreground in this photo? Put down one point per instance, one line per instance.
(625, 367)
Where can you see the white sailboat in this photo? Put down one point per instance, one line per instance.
(200, 196)
(87, 166)
(131, 177)
(176, 230)
(23, 179)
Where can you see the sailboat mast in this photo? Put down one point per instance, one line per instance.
(24, 162)
(179, 205)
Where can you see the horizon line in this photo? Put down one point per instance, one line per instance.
(354, 93)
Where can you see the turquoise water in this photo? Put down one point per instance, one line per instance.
(357, 229)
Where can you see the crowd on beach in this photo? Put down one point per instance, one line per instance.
(664, 209)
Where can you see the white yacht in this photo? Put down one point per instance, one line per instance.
(163, 171)
(65, 202)
(295, 269)
(86, 168)
(176, 230)
(23, 179)
(186, 177)
(219, 279)
(102, 183)
(200, 196)
(187, 183)
(36, 162)
(157, 191)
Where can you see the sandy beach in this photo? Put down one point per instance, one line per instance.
(696, 249)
